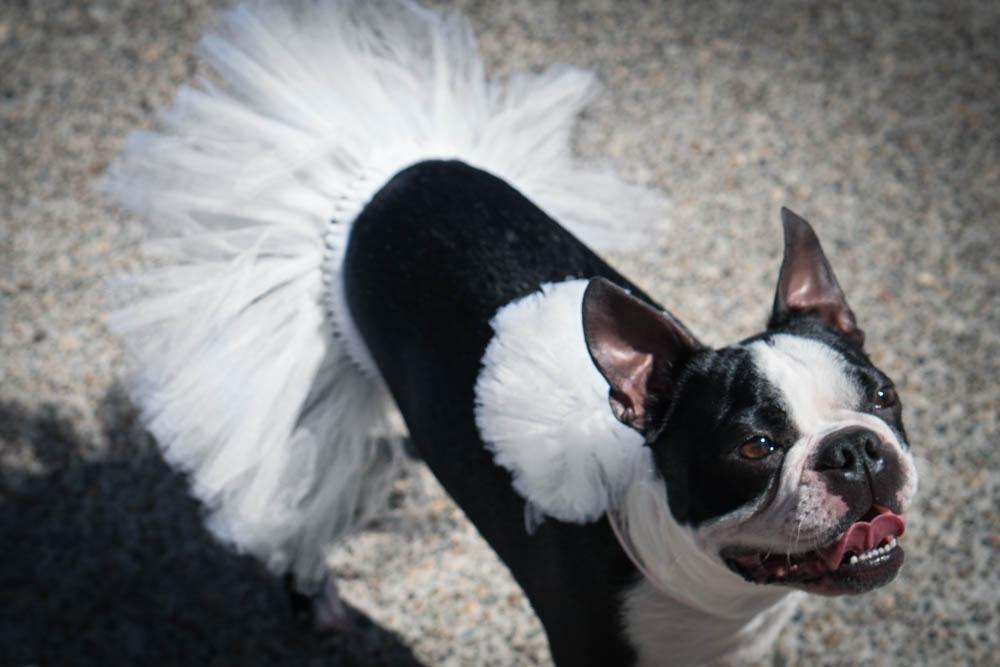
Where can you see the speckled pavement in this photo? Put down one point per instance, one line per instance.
(877, 121)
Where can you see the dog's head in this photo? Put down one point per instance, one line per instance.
(785, 452)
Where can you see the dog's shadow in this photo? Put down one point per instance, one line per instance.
(107, 563)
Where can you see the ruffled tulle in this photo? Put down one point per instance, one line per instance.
(247, 369)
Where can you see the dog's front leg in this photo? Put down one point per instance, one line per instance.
(318, 608)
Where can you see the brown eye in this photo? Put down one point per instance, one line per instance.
(757, 447)
(885, 397)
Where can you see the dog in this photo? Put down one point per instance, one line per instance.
(359, 249)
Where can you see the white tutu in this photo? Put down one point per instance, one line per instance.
(247, 369)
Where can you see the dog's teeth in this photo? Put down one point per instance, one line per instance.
(854, 560)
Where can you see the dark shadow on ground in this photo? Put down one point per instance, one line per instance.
(108, 564)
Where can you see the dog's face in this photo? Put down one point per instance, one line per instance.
(786, 452)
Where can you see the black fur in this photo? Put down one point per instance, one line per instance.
(696, 451)
(431, 259)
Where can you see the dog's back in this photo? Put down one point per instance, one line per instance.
(431, 259)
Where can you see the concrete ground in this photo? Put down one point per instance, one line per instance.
(877, 121)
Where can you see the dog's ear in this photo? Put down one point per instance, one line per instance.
(637, 349)
(807, 285)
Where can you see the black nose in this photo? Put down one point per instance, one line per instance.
(853, 454)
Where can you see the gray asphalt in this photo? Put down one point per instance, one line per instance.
(877, 121)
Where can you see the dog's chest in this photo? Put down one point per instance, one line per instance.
(664, 631)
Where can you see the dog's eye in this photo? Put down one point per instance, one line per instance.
(885, 397)
(757, 447)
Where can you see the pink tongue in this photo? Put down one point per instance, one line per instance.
(863, 536)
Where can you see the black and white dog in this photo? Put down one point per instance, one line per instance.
(355, 247)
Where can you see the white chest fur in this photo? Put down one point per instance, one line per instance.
(690, 608)
(666, 632)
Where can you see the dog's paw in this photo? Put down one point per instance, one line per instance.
(320, 613)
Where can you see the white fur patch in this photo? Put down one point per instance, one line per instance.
(664, 631)
(811, 376)
(690, 606)
(678, 561)
(542, 409)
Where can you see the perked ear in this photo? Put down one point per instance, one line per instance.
(637, 349)
(807, 285)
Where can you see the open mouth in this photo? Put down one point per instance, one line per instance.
(865, 556)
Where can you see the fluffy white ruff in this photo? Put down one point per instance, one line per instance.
(542, 409)
(244, 381)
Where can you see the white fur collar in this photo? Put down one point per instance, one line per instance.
(680, 562)
(542, 409)
(689, 605)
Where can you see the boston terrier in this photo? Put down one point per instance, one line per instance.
(362, 241)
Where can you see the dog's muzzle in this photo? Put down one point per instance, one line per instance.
(857, 466)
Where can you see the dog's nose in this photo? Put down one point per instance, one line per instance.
(853, 454)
